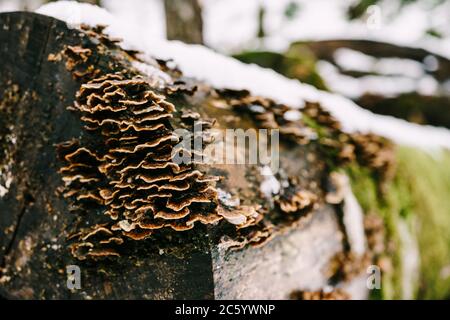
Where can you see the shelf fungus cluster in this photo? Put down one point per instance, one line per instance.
(368, 150)
(129, 171)
(122, 167)
(314, 123)
(121, 173)
(271, 115)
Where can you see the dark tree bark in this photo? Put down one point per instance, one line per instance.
(184, 20)
(261, 16)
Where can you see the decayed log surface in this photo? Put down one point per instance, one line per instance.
(40, 77)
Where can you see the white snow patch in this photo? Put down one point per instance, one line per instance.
(4, 189)
(6, 176)
(146, 17)
(225, 72)
(431, 63)
(349, 59)
(75, 13)
(227, 199)
(157, 77)
(410, 260)
(427, 86)
(257, 109)
(353, 220)
(16, 5)
(270, 185)
(388, 86)
(292, 115)
(399, 66)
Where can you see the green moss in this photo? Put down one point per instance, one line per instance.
(419, 193)
(322, 132)
(366, 190)
(428, 180)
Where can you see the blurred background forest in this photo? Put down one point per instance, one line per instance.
(391, 57)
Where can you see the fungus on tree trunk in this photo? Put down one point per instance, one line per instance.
(98, 186)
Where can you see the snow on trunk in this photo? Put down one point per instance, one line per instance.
(225, 72)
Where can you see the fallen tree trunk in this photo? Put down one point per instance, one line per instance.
(242, 234)
(418, 104)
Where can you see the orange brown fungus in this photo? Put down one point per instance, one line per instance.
(254, 236)
(78, 61)
(367, 149)
(375, 233)
(336, 294)
(301, 200)
(271, 115)
(346, 265)
(97, 32)
(127, 172)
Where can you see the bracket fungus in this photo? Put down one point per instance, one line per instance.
(127, 170)
(122, 168)
(335, 294)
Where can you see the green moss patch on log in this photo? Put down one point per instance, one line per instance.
(297, 63)
(419, 196)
